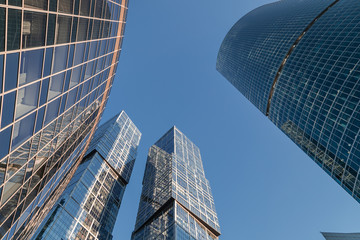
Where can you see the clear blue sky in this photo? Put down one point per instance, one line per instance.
(264, 186)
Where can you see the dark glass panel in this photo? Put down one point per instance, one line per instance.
(51, 29)
(15, 2)
(39, 4)
(27, 99)
(8, 109)
(85, 7)
(74, 29)
(1, 71)
(99, 8)
(39, 119)
(53, 5)
(5, 136)
(71, 56)
(82, 29)
(66, 6)
(67, 81)
(92, 8)
(23, 130)
(96, 29)
(31, 66)
(90, 28)
(2, 29)
(14, 29)
(76, 7)
(34, 26)
(63, 29)
(44, 91)
(48, 61)
(11, 73)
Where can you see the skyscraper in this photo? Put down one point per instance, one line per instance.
(57, 63)
(176, 200)
(341, 236)
(298, 62)
(88, 207)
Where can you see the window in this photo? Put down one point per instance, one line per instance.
(2, 29)
(34, 27)
(27, 99)
(63, 29)
(5, 136)
(14, 29)
(79, 53)
(66, 6)
(51, 29)
(48, 61)
(56, 86)
(60, 58)
(44, 91)
(82, 29)
(31, 66)
(85, 7)
(52, 111)
(23, 130)
(8, 108)
(39, 4)
(11, 73)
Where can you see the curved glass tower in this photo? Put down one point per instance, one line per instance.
(58, 59)
(298, 62)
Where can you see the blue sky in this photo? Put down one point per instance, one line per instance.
(264, 186)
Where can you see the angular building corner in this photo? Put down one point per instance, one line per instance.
(88, 207)
(298, 62)
(176, 200)
(58, 59)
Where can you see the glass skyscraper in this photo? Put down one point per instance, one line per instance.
(341, 236)
(58, 59)
(298, 62)
(88, 207)
(176, 200)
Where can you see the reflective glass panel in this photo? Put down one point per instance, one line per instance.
(31, 65)
(34, 26)
(27, 99)
(8, 109)
(23, 130)
(11, 73)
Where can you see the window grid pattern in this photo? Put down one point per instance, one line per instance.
(319, 93)
(92, 199)
(57, 63)
(316, 98)
(252, 51)
(174, 175)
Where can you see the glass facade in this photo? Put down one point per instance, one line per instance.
(176, 200)
(58, 59)
(88, 207)
(303, 72)
(341, 236)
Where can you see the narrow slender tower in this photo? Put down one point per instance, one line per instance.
(176, 200)
(88, 207)
(298, 62)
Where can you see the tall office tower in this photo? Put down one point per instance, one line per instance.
(176, 200)
(88, 207)
(298, 62)
(58, 59)
(341, 236)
